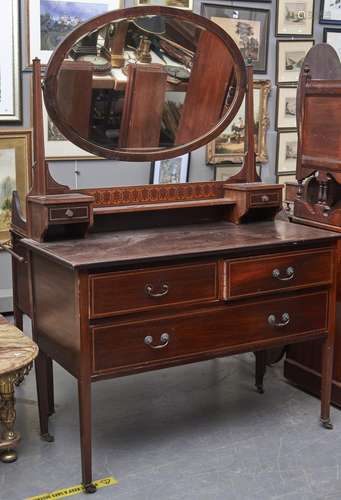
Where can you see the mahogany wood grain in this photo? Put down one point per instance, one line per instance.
(254, 276)
(202, 109)
(141, 122)
(123, 344)
(119, 293)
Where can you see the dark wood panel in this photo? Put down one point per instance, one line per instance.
(275, 273)
(55, 311)
(123, 344)
(143, 289)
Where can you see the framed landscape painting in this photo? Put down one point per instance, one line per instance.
(50, 21)
(295, 18)
(248, 27)
(330, 12)
(229, 146)
(171, 171)
(290, 57)
(333, 37)
(15, 172)
(10, 82)
(179, 4)
(286, 107)
(57, 147)
(286, 152)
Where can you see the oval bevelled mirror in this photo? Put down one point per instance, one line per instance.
(144, 83)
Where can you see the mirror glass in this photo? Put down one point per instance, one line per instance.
(144, 85)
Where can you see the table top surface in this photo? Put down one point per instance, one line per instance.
(161, 243)
(16, 350)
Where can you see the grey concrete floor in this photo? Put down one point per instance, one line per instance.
(196, 432)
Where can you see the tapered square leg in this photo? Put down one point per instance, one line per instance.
(84, 396)
(326, 382)
(42, 378)
(260, 370)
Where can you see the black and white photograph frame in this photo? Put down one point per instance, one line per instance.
(248, 27)
(42, 38)
(10, 57)
(289, 60)
(286, 107)
(295, 18)
(171, 171)
(333, 37)
(329, 12)
(286, 157)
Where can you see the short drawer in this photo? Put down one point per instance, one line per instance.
(123, 292)
(228, 328)
(243, 277)
(265, 198)
(68, 214)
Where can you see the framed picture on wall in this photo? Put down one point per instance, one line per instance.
(286, 152)
(294, 18)
(57, 147)
(248, 27)
(15, 172)
(333, 37)
(171, 171)
(290, 57)
(330, 12)
(10, 56)
(229, 146)
(179, 4)
(286, 107)
(50, 21)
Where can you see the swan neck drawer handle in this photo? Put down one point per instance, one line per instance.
(149, 289)
(285, 320)
(289, 274)
(164, 341)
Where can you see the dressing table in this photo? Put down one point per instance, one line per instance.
(121, 280)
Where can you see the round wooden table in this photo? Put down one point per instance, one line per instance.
(16, 355)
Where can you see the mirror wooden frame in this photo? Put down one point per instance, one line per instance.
(50, 84)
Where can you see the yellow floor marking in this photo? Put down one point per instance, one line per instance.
(74, 490)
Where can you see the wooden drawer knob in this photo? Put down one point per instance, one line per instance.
(69, 213)
(265, 198)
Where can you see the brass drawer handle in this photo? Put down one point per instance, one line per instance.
(265, 198)
(164, 341)
(149, 291)
(273, 322)
(290, 274)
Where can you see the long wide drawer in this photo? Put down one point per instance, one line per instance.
(130, 291)
(253, 276)
(213, 330)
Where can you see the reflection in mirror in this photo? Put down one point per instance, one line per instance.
(145, 82)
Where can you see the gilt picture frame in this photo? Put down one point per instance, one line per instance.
(229, 146)
(15, 172)
(286, 152)
(286, 107)
(294, 18)
(290, 57)
(171, 171)
(249, 28)
(49, 21)
(10, 64)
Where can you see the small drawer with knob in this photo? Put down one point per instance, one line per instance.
(271, 273)
(67, 214)
(151, 288)
(218, 330)
(265, 198)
